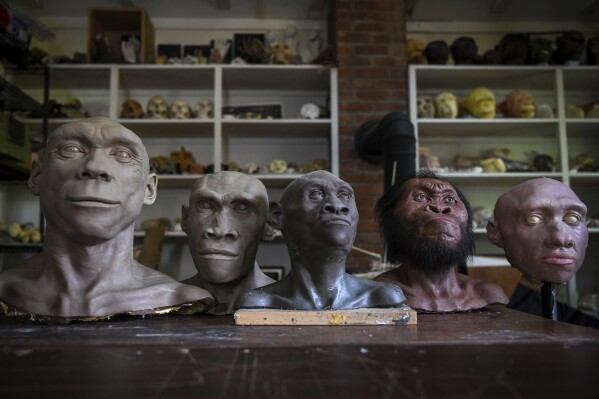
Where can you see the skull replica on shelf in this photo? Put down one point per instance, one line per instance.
(446, 105)
(131, 109)
(480, 103)
(205, 109)
(518, 104)
(426, 107)
(179, 110)
(157, 108)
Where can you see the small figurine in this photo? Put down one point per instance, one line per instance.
(514, 49)
(92, 184)
(427, 227)
(131, 109)
(572, 111)
(570, 47)
(480, 103)
(318, 217)
(544, 111)
(225, 221)
(426, 107)
(541, 225)
(437, 52)
(415, 49)
(446, 105)
(518, 104)
(540, 51)
(464, 51)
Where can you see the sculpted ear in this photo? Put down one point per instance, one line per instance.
(275, 217)
(34, 178)
(184, 213)
(493, 233)
(151, 189)
(270, 230)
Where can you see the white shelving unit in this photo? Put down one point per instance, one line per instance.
(103, 88)
(562, 138)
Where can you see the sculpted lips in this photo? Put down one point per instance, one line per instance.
(559, 259)
(214, 253)
(338, 221)
(93, 201)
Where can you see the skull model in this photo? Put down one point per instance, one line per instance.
(131, 109)
(180, 110)
(277, 166)
(205, 109)
(446, 105)
(480, 103)
(157, 108)
(426, 107)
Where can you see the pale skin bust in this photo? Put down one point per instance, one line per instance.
(542, 226)
(92, 184)
(225, 222)
(426, 224)
(318, 218)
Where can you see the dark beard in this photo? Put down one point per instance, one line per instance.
(434, 258)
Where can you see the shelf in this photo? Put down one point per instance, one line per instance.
(80, 76)
(14, 99)
(180, 128)
(277, 128)
(277, 77)
(546, 128)
(583, 128)
(585, 178)
(167, 77)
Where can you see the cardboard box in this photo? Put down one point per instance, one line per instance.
(106, 27)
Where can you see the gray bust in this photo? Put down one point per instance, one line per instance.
(225, 221)
(92, 184)
(318, 218)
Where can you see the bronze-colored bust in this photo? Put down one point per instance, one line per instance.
(542, 226)
(318, 217)
(92, 183)
(427, 227)
(225, 221)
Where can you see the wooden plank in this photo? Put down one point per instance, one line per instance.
(352, 317)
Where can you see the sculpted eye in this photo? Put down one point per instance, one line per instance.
(123, 155)
(572, 219)
(344, 196)
(72, 149)
(240, 206)
(451, 200)
(534, 219)
(420, 197)
(204, 205)
(316, 195)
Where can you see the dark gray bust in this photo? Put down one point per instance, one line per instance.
(225, 222)
(92, 184)
(318, 217)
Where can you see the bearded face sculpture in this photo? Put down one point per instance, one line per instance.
(157, 108)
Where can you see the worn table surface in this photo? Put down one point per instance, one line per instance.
(494, 353)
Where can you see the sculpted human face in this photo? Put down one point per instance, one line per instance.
(319, 213)
(435, 208)
(481, 103)
(94, 179)
(541, 224)
(225, 222)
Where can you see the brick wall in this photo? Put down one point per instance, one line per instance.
(369, 36)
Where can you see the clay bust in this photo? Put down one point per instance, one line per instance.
(427, 227)
(318, 217)
(446, 105)
(518, 104)
(541, 225)
(225, 222)
(480, 102)
(92, 184)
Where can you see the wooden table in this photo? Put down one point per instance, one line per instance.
(494, 353)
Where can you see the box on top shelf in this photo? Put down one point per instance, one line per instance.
(119, 35)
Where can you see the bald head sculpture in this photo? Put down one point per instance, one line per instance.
(92, 184)
(318, 218)
(225, 223)
(542, 226)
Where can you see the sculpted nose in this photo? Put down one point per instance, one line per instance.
(439, 208)
(334, 205)
(559, 236)
(220, 227)
(95, 167)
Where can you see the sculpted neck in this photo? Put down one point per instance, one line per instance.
(80, 264)
(438, 286)
(319, 276)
